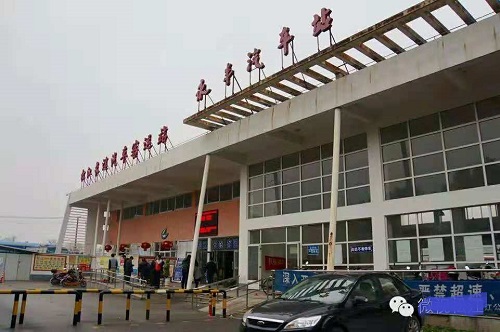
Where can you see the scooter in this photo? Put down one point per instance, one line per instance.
(68, 278)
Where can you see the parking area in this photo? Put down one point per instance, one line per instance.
(55, 313)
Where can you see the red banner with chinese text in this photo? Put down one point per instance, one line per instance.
(274, 263)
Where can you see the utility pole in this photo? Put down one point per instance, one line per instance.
(76, 232)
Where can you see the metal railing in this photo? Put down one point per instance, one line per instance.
(196, 299)
(112, 279)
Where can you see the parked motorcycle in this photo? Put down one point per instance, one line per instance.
(70, 278)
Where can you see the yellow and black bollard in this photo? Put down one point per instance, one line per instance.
(14, 311)
(169, 304)
(214, 303)
(80, 300)
(23, 308)
(127, 309)
(224, 304)
(99, 309)
(75, 310)
(148, 305)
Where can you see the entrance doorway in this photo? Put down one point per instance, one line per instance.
(226, 263)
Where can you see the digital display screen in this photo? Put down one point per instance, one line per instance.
(209, 223)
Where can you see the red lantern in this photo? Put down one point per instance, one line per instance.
(145, 246)
(123, 247)
(167, 245)
(108, 247)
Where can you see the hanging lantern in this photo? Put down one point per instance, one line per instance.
(123, 247)
(145, 245)
(108, 247)
(167, 245)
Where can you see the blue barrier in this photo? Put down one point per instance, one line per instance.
(466, 305)
(286, 279)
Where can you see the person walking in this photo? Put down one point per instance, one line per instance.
(143, 270)
(112, 268)
(185, 271)
(128, 268)
(211, 268)
(157, 271)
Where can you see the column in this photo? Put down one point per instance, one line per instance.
(243, 236)
(106, 220)
(335, 190)
(94, 247)
(118, 237)
(64, 226)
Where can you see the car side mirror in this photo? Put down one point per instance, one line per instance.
(360, 300)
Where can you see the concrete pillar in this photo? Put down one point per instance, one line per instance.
(98, 216)
(106, 223)
(243, 236)
(64, 226)
(118, 237)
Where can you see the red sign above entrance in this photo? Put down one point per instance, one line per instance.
(209, 223)
(274, 263)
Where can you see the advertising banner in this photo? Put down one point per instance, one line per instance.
(43, 262)
(274, 263)
(178, 271)
(286, 279)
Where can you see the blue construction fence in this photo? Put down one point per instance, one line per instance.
(440, 297)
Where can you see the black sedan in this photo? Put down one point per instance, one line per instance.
(340, 303)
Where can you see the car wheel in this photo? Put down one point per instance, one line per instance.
(413, 325)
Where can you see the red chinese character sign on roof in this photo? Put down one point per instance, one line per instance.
(105, 163)
(202, 93)
(97, 170)
(285, 39)
(322, 23)
(147, 145)
(135, 151)
(89, 174)
(82, 177)
(124, 157)
(114, 161)
(163, 138)
(254, 61)
(229, 78)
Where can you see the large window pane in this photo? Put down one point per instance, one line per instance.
(255, 237)
(256, 169)
(179, 200)
(171, 204)
(360, 229)
(327, 198)
(311, 187)
(495, 216)
(397, 170)
(272, 165)
(310, 155)
(236, 189)
(291, 206)
(256, 211)
(358, 196)
(430, 184)
(253, 263)
(164, 205)
(473, 248)
(493, 174)
(458, 116)
(356, 160)
(312, 233)
(426, 144)
(394, 133)
(226, 192)
(273, 235)
(429, 164)
(293, 234)
(311, 203)
(291, 190)
(272, 209)
(402, 226)
(437, 249)
(256, 197)
(460, 136)
(357, 178)
(326, 166)
(311, 171)
(491, 151)
(290, 160)
(327, 182)
(490, 129)
(471, 219)
(434, 223)
(315, 259)
(488, 107)
(399, 189)
(256, 183)
(355, 143)
(459, 158)
(291, 175)
(358, 253)
(403, 251)
(396, 151)
(424, 125)
(272, 194)
(272, 179)
(188, 200)
(464, 179)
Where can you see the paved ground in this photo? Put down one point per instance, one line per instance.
(55, 313)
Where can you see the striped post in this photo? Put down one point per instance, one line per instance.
(80, 300)
(99, 309)
(148, 305)
(14, 311)
(210, 304)
(214, 300)
(127, 309)
(75, 310)
(23, 308)
(169, 303)
(224, 304)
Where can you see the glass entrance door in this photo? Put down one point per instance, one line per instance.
(293, 256)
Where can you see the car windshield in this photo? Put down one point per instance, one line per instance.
(329, 290)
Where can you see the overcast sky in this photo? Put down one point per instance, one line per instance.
(81, 79)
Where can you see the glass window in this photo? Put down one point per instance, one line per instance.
(489, 129)
(434, 223)
(327, 166)
(272, 209)
(402, 225)
(312, 233)
(327, 200)
(403, 251)
(437, 249)
(488, 107)
(291, 175)
(360, 229)
(356, 160)
(357, 178)
(355, 143)
(272, 179)
(179, 201)
(465, 179)
(493, 174)
(458, 116)
(397, 170)
(316, 258)
(495, 216)
(396, 151)
(358, 254)
(460, 136)
(341, 231)
(310, 155)
(426, 144)
(291, 190)
(394, 133)
(471, 219)
(291, 206)
(327, 182)
(273, 235)
(256, 183)
(399, 189)
(311, 171)
(272, 194)
(311, 187)
(188, 198)
(256, 169)
(255, 211)
(171, 204)
(463, 157)
(491, 151)
(428, 164)
(358, 196)
(473, 248)
(254, 237)
(272, 165)
(236, 189)
(226, 192)
(293, 234)
(341, 198)
(255, 197)
(311, 203)
(430, 184)
(424, 125)
(164, 205)
(291, 160)
(327, 150)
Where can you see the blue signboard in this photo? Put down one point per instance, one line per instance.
(466, 305)
(285, 279)
(364, 248)
(178, 271)
(313, 250)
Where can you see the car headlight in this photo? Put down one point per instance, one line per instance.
(301, 323)
(245, 316)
